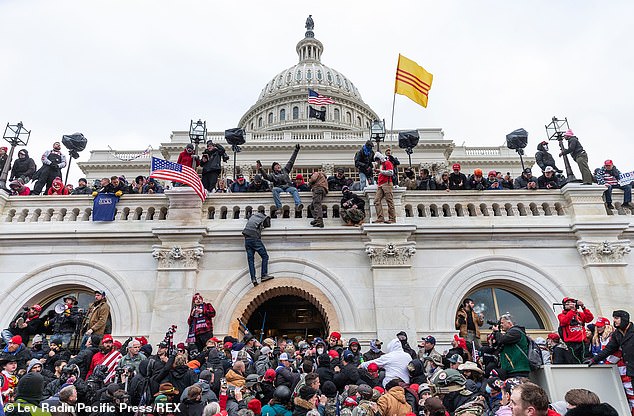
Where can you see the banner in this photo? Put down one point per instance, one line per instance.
(626, 178)
(104, 207)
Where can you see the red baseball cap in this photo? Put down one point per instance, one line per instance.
(227, 345)
(455, 166)
(608, 162)
(141, 340)
(16, 340)
(372, 367)
(333, 354)
(335, 335)
(601, 322)
(214, 339)
(269, 375)
(553, 336)
(37, 308)
(107, 337)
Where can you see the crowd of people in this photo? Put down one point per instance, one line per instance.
(373, 168)
(42, 374)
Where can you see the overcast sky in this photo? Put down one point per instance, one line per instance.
(126, 73)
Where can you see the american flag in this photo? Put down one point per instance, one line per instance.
(315, 98)
(175, 172)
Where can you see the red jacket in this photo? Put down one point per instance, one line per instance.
(186, 159)
(575, 332)
(387, 165)
(208, 313)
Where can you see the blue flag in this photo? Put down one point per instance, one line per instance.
(104, 207)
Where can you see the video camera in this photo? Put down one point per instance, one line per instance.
(493, 323)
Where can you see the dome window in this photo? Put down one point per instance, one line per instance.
(295, 113)
(309, 75)
(282, 115)
(359, 121)
(271, 118)
(271, 87)
(345, 82)
(329, 77)
(279, 81)
(338, 80)
(289, 78)
(337, 114)
(260, 122)
(320, 76)
(348, 117)
(298, 75)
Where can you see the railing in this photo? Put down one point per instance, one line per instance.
(40, 209)
(482, 151)
(411, 206)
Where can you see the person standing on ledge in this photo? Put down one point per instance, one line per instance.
(579, 155)
(384, 190)
(253, 243)
(200, 323)
(319, 187)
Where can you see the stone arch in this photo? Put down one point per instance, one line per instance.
(57, 277)
(532, 282)
(293, 277)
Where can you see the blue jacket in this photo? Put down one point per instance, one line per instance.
(276, 410)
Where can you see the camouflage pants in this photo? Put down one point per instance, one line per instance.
(353, 215)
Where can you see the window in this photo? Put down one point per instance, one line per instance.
(295, 113)
(282, 114)
(329, 77)
(270, 118)
(348, 117)
(320, 76)
(494, 301)
(337, 115)
(359, 121)
(259, 121)
(309, 75)
(298, 75)
(289, 78)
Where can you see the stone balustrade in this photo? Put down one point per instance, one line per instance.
(411, 206)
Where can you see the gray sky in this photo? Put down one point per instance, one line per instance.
(128, 72)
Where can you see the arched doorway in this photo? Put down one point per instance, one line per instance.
(287, 316)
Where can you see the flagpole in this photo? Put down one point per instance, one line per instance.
(392, 122)
(308, 115)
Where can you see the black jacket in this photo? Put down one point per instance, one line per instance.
(262, 187)
(256, 223)
(349, 199)
(543, 158)
(456, 179)
(349, 374)
(623, 340)
(547, 183)
(281, 179)
(363, 162)
(181, 377)
(574, 148)
(84, 358)
(214, 158)
(427, 184)
(23, 167)
(336, 184)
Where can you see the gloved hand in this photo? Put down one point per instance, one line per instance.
(118, 193)
(54, 165)
(297, 146)
(94, 193)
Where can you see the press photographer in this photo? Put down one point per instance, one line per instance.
(572, 328)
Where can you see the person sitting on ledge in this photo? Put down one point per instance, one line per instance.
(548, 180)
(258, 185)
(282, 181)
(608, 176)
(526, 180)
(240, 184)
(352, 208)
(338, 181)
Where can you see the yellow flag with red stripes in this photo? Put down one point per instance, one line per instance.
(412, 80)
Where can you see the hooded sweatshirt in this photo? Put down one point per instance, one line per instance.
(394, 362)
(23, 167)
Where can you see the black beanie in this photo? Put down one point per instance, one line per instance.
(146, 350)
(329, 389)
(306, 392)
(621, 314)
(30, 388)
(95, 340)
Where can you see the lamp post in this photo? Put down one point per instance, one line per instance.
(197, 134)
(555, 130)
(377, 132)
(15, 135)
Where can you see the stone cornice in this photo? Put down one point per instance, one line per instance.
(606, 253)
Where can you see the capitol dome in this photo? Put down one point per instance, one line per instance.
(283, 102)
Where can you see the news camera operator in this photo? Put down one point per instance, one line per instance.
(572, 328)
(70, 375)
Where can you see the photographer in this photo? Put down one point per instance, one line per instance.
(513, 349)
(468, 322)
(572, 327)
(70, 376)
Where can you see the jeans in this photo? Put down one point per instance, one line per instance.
(63, 338)
(627, 193)
(291, 190)
(365, 180)
(6, 336)
(252, 245)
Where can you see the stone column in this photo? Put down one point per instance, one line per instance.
(390, 253)
(178, 256)
(603, 253)
(370, 193)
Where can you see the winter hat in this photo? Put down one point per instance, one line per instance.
(433, 405)
(306, 392)
(255, 406)
(227, 346)
(95, 340)
(329, 389)
(493, 173)
(299, 177)
(37, 338)
(333, 354)
(32, 364)
(197, 296)
(269, 375)
(373, 367)
(146, 350)
(379, 389)
(335, 335)
(117, 345)
(379, 156)
(205, 375)
(553, 336)
(477, 172)
(30, 388)
(423, 388)
(265, 350)
(549, 169)
(621, 314)
(193, 364)
(16, 340)
(403, 335)
(569, 133)
(142, 340)
(189, 146)
(180, 346)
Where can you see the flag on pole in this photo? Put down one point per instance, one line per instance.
(412, 80)
(315, 98)
(175, 172)
(318, 114)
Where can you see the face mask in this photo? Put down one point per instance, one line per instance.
(320, 351)
(546, 147)
(488, 389)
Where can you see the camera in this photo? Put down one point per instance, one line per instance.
(493, 323)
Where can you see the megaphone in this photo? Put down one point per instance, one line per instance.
(60, 308)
